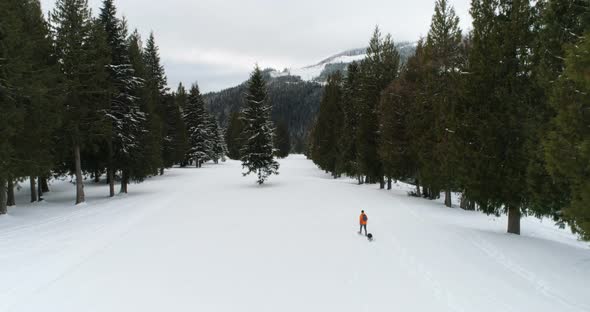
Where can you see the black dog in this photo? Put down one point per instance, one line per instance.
(370, 236)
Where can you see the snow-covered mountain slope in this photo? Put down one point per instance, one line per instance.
(319, 72)
(210, 240)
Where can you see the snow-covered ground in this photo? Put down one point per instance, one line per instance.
(209, 240)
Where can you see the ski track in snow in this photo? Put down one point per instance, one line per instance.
(209, 240)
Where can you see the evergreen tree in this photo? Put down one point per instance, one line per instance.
(413, 97)
(257, 153)
(176, 140)
(233, 136)
(83, 67)
(395, 145)
(567, 145)
(10, 119)
(325, 150)
(148, 158)
(558, 23)
(33, 76)
(499, 91)
(197, 124)
(181, 97)
(282, 140)
(348, 160)
(155, 81)
(444, 44)
(125, 115)
(378, 70)
(218, 149)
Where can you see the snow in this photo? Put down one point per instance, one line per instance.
(210, 240)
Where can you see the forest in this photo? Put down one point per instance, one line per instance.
(498, 113)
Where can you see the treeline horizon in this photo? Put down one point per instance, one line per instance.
(499, 114)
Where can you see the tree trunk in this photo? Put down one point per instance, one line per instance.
(33, 189)
(111, 174)
(382, 183)
(161, 171)
(44, 185)
(418, 192)
(124, 182)
(389, 186)
(448, 199)
(96, 176)
(514, 220)
(360, 179)
(39, 188)
(463, 203)
(10, 196)
(79, 182)
(3, 207)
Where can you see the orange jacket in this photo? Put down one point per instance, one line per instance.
(361, 219)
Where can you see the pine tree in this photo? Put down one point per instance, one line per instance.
(348, 161)
(197, 124)
(147, 158)
(10, 119)
(176, 140)
(218, 148)
(257, 153)
(33, 75)
(395, 149)
(378, 70)
(567, 145)
(125, 115)
(325, 152)
(444, 44)
(499, 92)
(155, 80)
(558, 24)
(233, 136)
(419, 120)
(282, 140)
(83, 69)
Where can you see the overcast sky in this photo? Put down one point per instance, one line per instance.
(217, 42)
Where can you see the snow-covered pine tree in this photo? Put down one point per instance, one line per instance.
(197, 124)
(257, 153)
(125, 115)
(218, 147)
(222, 145)
(78, 46)
(156, 88)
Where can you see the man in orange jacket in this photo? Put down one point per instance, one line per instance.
(363, 221)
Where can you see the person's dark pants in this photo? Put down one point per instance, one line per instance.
(361, 229)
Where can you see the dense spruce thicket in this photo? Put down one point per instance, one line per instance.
(497, 114)
(295, 103)
(80, 96)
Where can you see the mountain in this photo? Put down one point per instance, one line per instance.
(319, 72)
(294, 93)
(294, 102)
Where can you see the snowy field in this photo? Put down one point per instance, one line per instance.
(209, 240)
